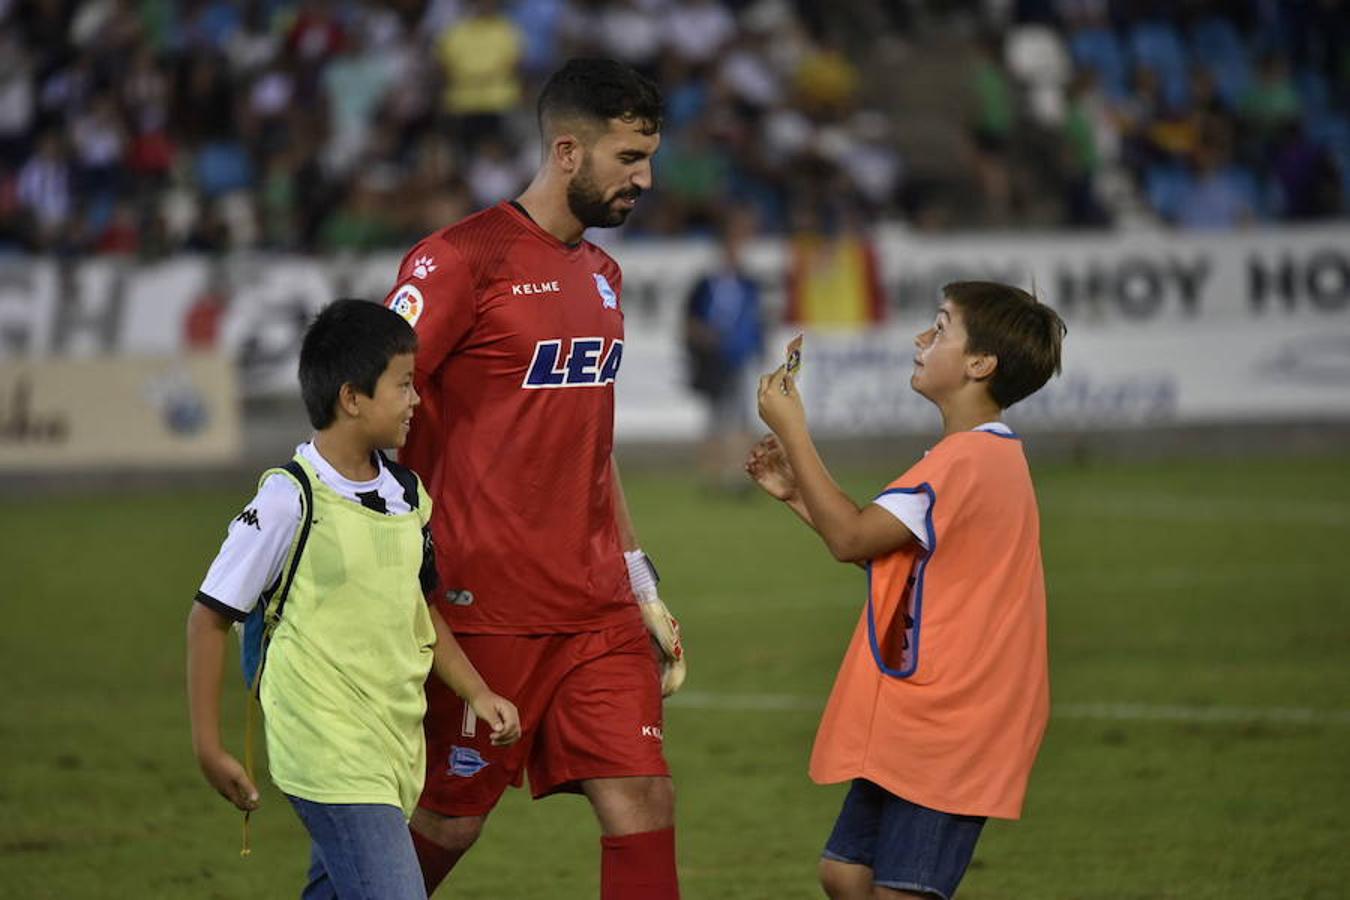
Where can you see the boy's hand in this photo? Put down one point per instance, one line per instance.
(228, 777)
(780, 405)
(499, 713)
(767, 464)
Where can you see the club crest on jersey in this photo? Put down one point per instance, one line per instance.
(407, 302)
(587, 362)
(608, 298)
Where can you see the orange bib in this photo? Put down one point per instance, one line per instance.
(943, 694)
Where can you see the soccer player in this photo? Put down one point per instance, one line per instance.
(355, 639)
(942, 698)
(520, 321)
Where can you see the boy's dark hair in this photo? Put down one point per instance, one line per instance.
(597, 90)
(349, 342)
(1007, 322)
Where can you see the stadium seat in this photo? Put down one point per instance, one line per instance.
(1166, 186)
(1312, 91)
(1099, 50)
(1216, 44)
(1332, 131)
(223, 166)
(1157, 45)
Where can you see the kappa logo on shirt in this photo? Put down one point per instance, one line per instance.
(249, 517)
(587, 364)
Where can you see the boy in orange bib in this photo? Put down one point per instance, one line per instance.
(943, 694)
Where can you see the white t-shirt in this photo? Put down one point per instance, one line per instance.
(912, 509)
(255, 547)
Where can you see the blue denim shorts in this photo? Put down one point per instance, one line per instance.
(908, 847)
(361, 851)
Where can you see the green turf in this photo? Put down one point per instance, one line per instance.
(1206, 585)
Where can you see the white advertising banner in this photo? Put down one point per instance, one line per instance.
(1164, 328)
(118, 411)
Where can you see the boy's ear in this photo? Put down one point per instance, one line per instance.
(346, 399)
(981, 366)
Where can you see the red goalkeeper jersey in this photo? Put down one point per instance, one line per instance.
(520, 340)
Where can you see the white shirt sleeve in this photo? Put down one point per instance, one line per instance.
(254, 550)
(911, 510)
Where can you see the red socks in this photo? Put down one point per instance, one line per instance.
(639, 866)
(436, 861)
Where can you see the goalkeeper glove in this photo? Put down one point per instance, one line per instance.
(662, 626)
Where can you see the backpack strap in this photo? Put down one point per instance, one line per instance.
(407, 479)
(278, 598)
(275, 600)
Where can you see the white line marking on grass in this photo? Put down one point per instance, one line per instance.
(1201, 509)
(746, 702)
(1121, 712)
(1145, 577)
(1149, 712)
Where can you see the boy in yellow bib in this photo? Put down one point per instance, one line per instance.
(354, 640)
(943, 695)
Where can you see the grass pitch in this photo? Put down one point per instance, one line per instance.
(1200, 651)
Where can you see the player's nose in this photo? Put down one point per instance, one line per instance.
(642, 178)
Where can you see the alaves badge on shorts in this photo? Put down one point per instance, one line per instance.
(607, 295)
(408, 303)
(466, 762)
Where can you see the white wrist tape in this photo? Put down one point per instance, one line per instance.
(642, 576)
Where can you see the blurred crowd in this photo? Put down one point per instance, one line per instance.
(1201, 114)
(150, 127)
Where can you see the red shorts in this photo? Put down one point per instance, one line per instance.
(590, 707)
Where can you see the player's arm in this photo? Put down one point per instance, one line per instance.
(207, 635)
(435, 294)
(663, 627)
(852, 534)
(457, 671)
(249, 560)
(623, 519)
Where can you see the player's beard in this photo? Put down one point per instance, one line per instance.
(587, 202)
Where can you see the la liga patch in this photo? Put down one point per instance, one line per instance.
(407, 302)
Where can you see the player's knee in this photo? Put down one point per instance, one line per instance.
(632, 805)
(653, 800)
(842, 881)
(451, 832)
(660, 797)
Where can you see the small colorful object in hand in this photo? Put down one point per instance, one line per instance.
(794, 359)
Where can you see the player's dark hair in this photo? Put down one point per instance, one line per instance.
(597, 90)
(1009, 323)
(349, 342)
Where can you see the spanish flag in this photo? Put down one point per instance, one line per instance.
(833, 282)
